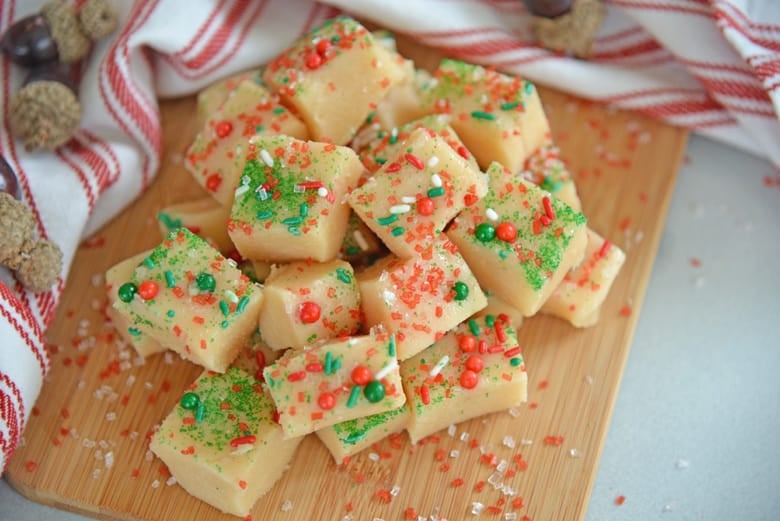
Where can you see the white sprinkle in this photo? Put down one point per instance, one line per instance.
(124, 366)
(433, 161)
(389, 296)
(373, 456)
(262, 194)
(491, 214)
(232, 297)
(476, 508)
(242, 449)
(513, 412)
(87, 443)
(507, 490)
(299, 189)
(134, 435)
(452, 429)
(108, 460)
(156, 483)
(525, 441)
(502, 465)
(386, 370)
(394, 132)
(667, 508)
(495, 480)
(148, 386)
(454, 453)
(510, 516)
(589, 379)
(408, 199)
(645, 137)
(322, 191)
(170, 481)
(167, 358)
(378, 519)
(95, 473)
(98, 455)
(436, 180)
(509, 441)
(395, 490)
(110, 416)
(464, 436)
(441, 364)
(574, 453)
(400, 208)
(347, 517)
(683, 464)
(241, 190)
(74, 434)
(149, 456)
(287, 506)
(360, 240)
(266, 157)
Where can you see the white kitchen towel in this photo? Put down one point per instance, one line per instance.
(712, 66)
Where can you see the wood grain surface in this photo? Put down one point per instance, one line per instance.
(99, 399)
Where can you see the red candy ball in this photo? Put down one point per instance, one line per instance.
(474, 363)
(313, 61)
(506, 231)
(361, 375)
(467, 343)
(468, 379)
(322, 46)
(326, 401)
(223, 129)
(425, 206)
(148, 290)
(309, 312)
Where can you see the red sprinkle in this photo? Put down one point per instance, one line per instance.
(620, 500)
(414, 161)
(548, 209)
(314, 367)
(604, 250)
(243, 440)
(148, 290)
(513, 352)
(30, 466)
(297, 376)
(506, 231)
(223, 129)
(500, 333)
(463, 152)
(393, 167)
(425, 394)
(310, 185)
(326, 401)
(425, 206)
(309, 312)
(468, 379)
(625, 311)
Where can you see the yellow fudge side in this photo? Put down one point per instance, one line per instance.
(334, 77)
(221, 441)
(499, 117)
(291, 204)
(519, 240)
(142, 342)
(192, 300)
(307, 302)
(203, 217)
(474, 370)
(545, 168)
(421, 298)
(583, 290)
(352, 436)
(337, 381)
(216, 157)
(408, 202)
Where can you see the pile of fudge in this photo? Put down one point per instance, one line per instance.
(372, 237)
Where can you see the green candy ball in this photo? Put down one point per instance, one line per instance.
(461, 290)
(127, 291)
(485, 232)
(374, 391)
(205, 282)
(190, 401)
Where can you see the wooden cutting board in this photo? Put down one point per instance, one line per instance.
(86, 446)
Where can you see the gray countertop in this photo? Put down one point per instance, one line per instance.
(694, 432)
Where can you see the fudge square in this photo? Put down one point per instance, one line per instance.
(545, 168)
(421, 298)
(291, 204)
(143, 343)
(410, 200)
(519, 240)
(499, 117)
(352, 436)
(192, 300)
(475, 369)
(213, 96)
(221, 441)
(336, 381)
(579, 296)
(334, 77)
(216, 157)
(306, 302)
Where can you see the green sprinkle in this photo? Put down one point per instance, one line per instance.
(478, 114)
(529, 87)
(398, 230)
(224, 324)
(461, 290)
(168, 221)
(503, 254)
(169, 280)
(393, 139)
(292, 221)
(336, 365)
(380, 160)
(474, 327)
(391, 347)
(509, 106)
(371, 116)
(294, 230)
(134, 331)
(390, 219)
(171, 313)
(242, 304)
(259, 128)
(490, 320)
(149, 263)
(343, 276)
(223, 306)
(353, 396)
(328, 369)
(265, 214)
(205, 281)
(355, 437)
(200, 411)
(514, 362)
(303, 210)
(352, 250)
(278, 110)
(436, 191)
